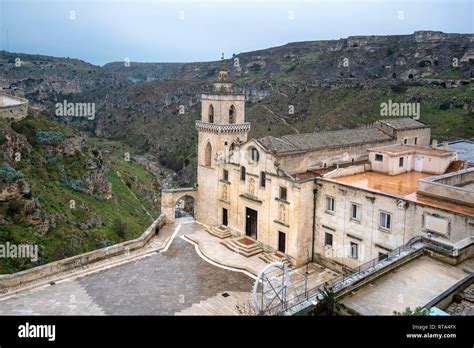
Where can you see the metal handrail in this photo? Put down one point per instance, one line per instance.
(340, 280)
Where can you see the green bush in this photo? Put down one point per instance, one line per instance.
(120, 228)
(14, 207)
(75, 184)
(418, 311)
(49, 138)
(9, 174)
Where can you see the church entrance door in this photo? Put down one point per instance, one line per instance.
(251, 223)
(225, 217)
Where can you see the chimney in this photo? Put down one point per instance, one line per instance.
(445, 146)
(434, 144)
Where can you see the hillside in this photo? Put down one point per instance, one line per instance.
(330, 84)
(69, 194)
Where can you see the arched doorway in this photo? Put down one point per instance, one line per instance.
(184, 207)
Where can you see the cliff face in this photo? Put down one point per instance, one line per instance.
(422, 54)
(67, 193)
(329, 84)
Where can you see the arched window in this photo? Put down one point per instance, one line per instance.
(211, 114)
(242, 173)
(232, 114)
(253, 155)
(208, 155)
(232, 148)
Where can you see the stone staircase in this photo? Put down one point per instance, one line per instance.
(221, 231)
(218, 304)
(276, 257)
(243, 245)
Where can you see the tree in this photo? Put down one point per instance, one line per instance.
(329, 304)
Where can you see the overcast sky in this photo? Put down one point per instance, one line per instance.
(102, 31)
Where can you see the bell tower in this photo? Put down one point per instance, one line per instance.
(221, 128)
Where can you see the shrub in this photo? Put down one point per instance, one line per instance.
(49, 138)
(105, 243)
(418, 311)
(9, 174)
(75, 184)
(14, 207)
(120, 228)
(255, 67)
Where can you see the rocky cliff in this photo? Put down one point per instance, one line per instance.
(298, 87)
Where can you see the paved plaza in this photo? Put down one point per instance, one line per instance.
(182, 271)
(160, 284)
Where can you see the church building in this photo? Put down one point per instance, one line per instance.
(340, 197)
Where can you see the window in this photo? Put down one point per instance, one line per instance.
(254, 155)
(400, 162)
(225, 175)
(354, 250)
(405, 141)
(385, 220)
(379, 158)
(283, 193)
(356, 212)
(211, 114)
(208, 155)
(382, 256)
(232, 114)
(328, 239)
(242, 173)
(416, 140)
(330, 204)
(263, 179)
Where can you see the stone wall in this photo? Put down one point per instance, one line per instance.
(32, 274)
(408, 219)
(452, 186)
(15, 111)
(328, 157)
(169, 198)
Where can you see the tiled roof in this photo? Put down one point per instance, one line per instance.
(296, 143)
(403, 123)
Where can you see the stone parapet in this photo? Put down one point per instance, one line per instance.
(222, 128)
(32, 274)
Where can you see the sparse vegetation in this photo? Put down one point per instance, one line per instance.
(418, 311)
(55, 180)
(9, 174)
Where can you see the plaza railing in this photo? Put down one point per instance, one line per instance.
(288, 296)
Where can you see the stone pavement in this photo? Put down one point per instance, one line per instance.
(412, 285)
(212, 248)
(464, 304)
(184, 270)
(159, 284)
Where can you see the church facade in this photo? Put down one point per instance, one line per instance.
(288, 194)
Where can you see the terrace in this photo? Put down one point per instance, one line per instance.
(402, 186)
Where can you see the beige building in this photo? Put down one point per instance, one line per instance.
(340, 197)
